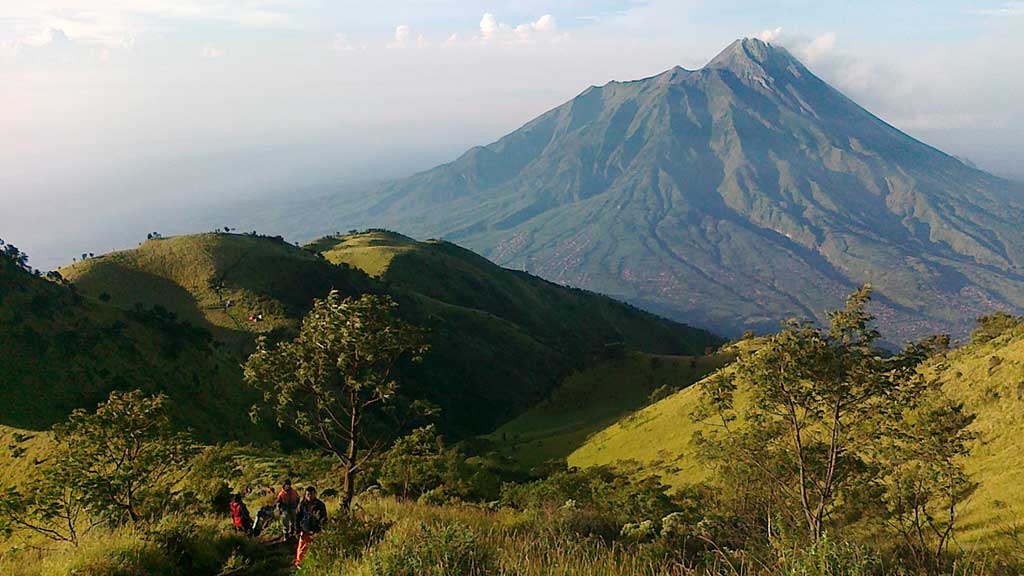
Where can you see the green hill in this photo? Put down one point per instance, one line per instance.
(987, 376)
(63, 351)
(731, 197)
(217, 281)
(501, 340)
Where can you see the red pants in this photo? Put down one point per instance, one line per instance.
(300, 552)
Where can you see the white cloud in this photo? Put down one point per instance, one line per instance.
(770, 35)
(817, 48)
(492, 31)
(402, 35)
(212, 52)
(341, 43)
(117, 23)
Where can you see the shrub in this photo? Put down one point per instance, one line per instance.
(827, 557)
(433, 549)
(638, 531)
(603, 501)
(179, 538)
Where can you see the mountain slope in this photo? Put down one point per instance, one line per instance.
(732, 196)
(593, 399)
(987, 375)
(500, 339)
(63, 351)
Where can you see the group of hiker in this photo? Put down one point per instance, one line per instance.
(301, 517)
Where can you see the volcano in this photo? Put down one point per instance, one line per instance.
(731, 197)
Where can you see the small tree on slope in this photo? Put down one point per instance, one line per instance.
(809, 418)
(325, 382)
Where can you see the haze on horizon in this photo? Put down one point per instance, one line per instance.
(121, 117)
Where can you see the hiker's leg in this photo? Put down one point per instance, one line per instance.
(286, 523)
(300, 551)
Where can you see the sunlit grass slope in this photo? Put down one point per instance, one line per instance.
(657, 437)
(217, 280)
(987, 377)
(591, 400)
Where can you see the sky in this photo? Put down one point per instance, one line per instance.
(119, 117)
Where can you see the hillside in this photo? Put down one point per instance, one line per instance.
(63, 351)
(730, 197)
(593, 399)
(217, 281)
(500, 339)
(566, 319)
(987, 376)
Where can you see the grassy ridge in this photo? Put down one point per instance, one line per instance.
(501, 340)
(217, 280)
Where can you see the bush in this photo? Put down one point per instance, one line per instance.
(827, 558)
(433, 549)
(180, 540)
(123, 558)
(603, 501)
(419, 466)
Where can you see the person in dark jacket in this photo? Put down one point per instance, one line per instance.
(240, 514)
(309, 517)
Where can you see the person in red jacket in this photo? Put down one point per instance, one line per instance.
(240, 514)
(287, 502)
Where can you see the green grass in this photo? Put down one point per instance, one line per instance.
(371, 252)
(591, 400)
(989, 379)
(656, 438)
(197, 276)
(501, 340)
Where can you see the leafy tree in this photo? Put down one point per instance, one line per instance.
(50, 505)
(415, 464)
(814, 402)
(116, 458)
(325, 382)
(13, 254)
(926, 482)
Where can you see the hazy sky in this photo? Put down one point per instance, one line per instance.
(119, 117)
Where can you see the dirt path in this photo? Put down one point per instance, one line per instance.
(276, 561)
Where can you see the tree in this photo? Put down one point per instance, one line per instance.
(415, 464)
(808, 429)
(925, 480)
(12, 253)
(52, 506)
(117, 457)
(325, 382)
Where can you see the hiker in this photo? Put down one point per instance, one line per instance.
(240, 514)
(311, 515)
(287, 501)
(264, 517)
